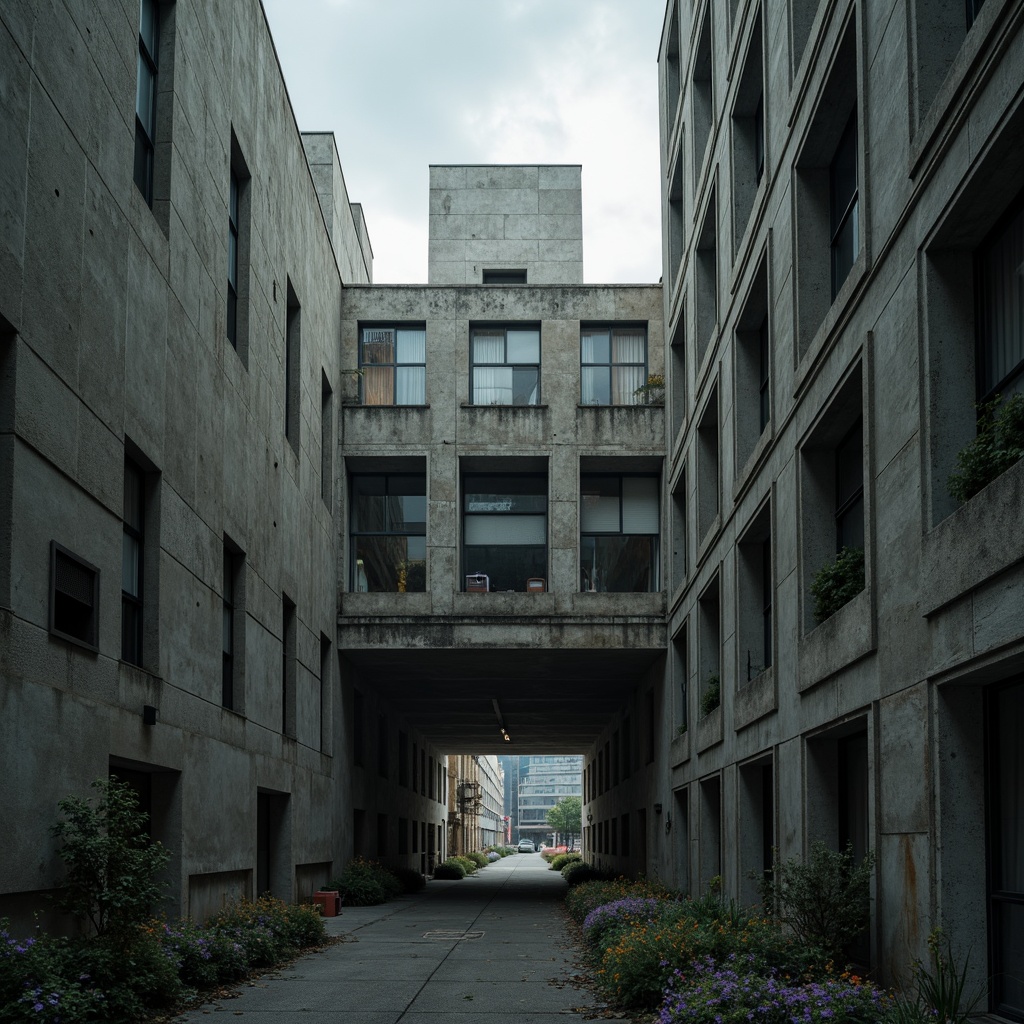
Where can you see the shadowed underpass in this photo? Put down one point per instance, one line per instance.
(489, 947)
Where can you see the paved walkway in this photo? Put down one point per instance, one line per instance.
(491, 947)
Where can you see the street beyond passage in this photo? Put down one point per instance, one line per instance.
(491, 947)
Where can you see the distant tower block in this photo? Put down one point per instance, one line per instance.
(517, 224)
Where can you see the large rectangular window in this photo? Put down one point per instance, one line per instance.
(843, 192)
(132, 557)
(619, 528)
(505, 528)
(388, 530)
(233, 628)
(145, 97)
(613, 365)
(393, 361)
(292, 369)
(505, 365)
(999, 318)
(849, 513)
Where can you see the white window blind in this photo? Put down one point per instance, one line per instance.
(640, 504)
(505, 530)
(600, 513)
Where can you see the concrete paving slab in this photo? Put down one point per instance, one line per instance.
(493, 946)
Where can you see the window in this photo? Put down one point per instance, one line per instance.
(613, 365)
(753, 404)
(388, 531)
(754, 599)
(393, 361)
(145, 97)
(748, 143)
(383, 761)
(403, 759)
(849, 513)
(238, 252)
(705, 281)
(132, 560)
(681, 676)
(764, 375)
(326, 440)
(504, 277)
(74, 598)
(973, 10)
(292, 369)
(845, 240)
(289, 665)
(702, 92)
(505, 528)
(619, 529)
(709, 647)
(325, 694)
(505, 365)
(358, 729)
(999, 313)
(233, 620)
(707, 468)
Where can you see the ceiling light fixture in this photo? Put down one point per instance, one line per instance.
(501, 721)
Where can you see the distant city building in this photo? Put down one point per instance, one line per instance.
(534, 784)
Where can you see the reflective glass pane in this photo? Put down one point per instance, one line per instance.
(148, 24)
(387, 565)
(411, 346)
(368, 511)
(523, 346)
(619, 564)
(1009, 939)
(378, 345)
(505, 494)
(843, 174)
(595, 385)
(145, 92)
(233, 259)
(526, 386)
(407, 513)
(410, 385)
(233, 201)
(492, 385)
(845, 247)
(508, 567)
(595, 347)
(488, 348)
(378, 385)
(130, 565)
(850, 526)
(849, 468)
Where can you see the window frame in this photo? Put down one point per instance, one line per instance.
(611, 330)
(655, 556)
(493, 329)
(354, 534)
(847, 503)
(145, 137)
(394, 365)
(90, 642)
(844, 210)
(133, 533)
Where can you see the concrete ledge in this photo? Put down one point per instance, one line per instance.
(839, 641)
(755, 699)
(709, 730)
(979, 540)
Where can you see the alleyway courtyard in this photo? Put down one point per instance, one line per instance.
(490, 947)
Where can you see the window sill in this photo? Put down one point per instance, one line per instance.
(621, 405)
(709, 730)
(515, 408)
(843, 638)
(753, 462)
(979, 540)
(756, 699)
(679, 753)
(388, 408)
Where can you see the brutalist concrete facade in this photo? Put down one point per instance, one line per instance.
(793, 392)
(125, 363)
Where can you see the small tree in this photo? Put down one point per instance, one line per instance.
(567, 817)
(112, 863)
(825, 901)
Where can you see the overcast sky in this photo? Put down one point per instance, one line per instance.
(408, 83)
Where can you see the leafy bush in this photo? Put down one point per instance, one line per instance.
(365, 883)
(711, 697)
(450, 869)
(625, 913)
(580, 871)
(468, 865)
(111, 862)
(479, 859)
(825, 901)
(739, 990)
(492, 856)
(939, 990)
(837, 582)
(998, 445)
(267, 930)
(586, 896)
(409, 879)
(559, 862)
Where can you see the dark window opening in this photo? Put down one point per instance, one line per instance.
(843, 199)
(619, 533)
(132, 558)
(74, 598)
(388, 530)
(849, 511)
(145, 97)
(504, 277)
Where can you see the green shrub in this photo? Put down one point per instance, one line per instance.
(365, 883)
(825, 900)
(409, 879)
(712, 695)
(450, 869)
(110, 861)
(559, 862)
(837, 582)
(940, 990)
(998, 445)
(579, 872)
(581, 899)
(469, 866)
(267, 930)
(479, 859)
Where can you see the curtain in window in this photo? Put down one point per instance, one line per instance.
(411, 346)
(410, 385)
(488, 348)
(492, 385)
(378, 385)
(1001, 309)
(628, 347)
(594, 386)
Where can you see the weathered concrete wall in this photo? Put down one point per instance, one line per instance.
(939, 617)
(515, 217)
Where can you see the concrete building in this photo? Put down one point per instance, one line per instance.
(475, 797)
(544, 781)
(842, 189)
(495, 536)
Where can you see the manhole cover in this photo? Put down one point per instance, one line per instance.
(452, 936)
